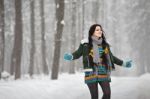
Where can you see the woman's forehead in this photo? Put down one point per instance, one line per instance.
(98, 27)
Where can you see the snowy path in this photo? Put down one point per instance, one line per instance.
(73, 87)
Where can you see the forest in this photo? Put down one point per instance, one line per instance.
(35, 34)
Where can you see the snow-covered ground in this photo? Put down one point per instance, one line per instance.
(73, 87)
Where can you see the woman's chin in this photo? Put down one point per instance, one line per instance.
(99, 36)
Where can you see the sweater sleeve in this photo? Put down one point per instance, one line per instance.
(78, 53)
(116, 60)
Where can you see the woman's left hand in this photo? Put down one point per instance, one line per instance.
(127, 63)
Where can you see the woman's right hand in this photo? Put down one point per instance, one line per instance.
(68, 56)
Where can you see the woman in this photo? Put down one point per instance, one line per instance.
(98, 61)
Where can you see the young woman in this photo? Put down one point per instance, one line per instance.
(98, 61)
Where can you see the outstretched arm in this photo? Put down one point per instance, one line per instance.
(120, 62)
(78, 53)
(117, 61)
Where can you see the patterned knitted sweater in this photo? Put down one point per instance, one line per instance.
(100, 70)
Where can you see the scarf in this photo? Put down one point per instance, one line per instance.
(96, 54)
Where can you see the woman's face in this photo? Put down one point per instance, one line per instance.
(97, 32)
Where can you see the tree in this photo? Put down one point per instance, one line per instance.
(2, 38)
(73, 35)
(17, 49)
(95, 12)
(43, 45)
(32, 50)
(58, 35)
(140, 48)
(83, 17)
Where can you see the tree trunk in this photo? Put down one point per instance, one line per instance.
(17, 50)
(148, 64)
(2, 38)
(43, 45)
(95, 12)
(59, 19)
(32, 50)
(73, 35)
(83, 17)
(147, 51)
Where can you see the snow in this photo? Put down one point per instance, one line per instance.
(63, 22)
(72, 87)
(5, 74)
(57, 6)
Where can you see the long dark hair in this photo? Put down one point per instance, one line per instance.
(91, 32)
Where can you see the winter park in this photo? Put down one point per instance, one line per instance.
(74, 49)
